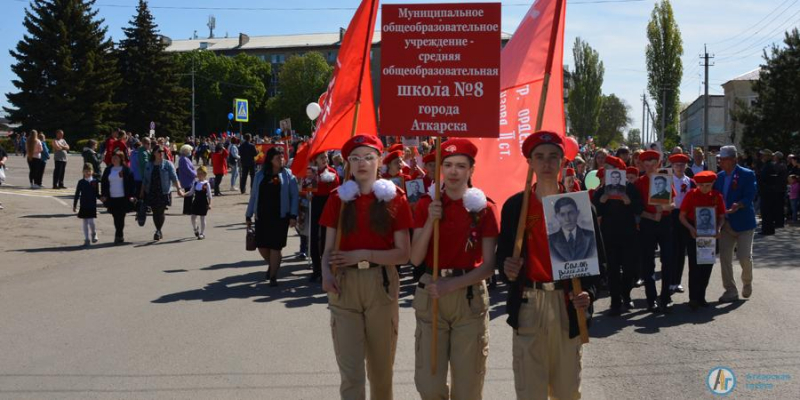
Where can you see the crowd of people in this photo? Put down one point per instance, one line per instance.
(360, 226)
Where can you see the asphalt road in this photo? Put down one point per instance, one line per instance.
(189, 319)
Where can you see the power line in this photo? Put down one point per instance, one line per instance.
(753, 26)
(769, 38)
(722, 51)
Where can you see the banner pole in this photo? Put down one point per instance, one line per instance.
(435, 310)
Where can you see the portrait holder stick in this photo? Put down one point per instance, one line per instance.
(529, 178)
(576, 290)
(435, 310)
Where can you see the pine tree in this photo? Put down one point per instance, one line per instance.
(66, 75)
(150, 84)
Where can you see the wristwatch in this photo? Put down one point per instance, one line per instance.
(363, 264)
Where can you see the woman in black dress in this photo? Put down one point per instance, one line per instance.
(274, 202)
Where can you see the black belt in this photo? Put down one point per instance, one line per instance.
(557, 285)
(453, 271)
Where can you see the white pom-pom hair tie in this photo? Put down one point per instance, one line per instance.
(327, 176)
(474, 200)
(384, 190)
(348, 191)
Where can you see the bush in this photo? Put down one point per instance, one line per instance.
(8, 145)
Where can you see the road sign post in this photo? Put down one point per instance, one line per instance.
(241, 112)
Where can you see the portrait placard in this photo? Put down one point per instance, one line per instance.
(706, 250)
(614, 183)
(570, 235)
(414, 190)
(399, 182)
(660, 189)
(310, 183)
(705, 221)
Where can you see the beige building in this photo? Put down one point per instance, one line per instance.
(738, 93)
(691, 123)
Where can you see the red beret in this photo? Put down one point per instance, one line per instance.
(359, 141)
(570, 172)
(615, 162)
(679, 158)
(429, 158)
(396, 147)
(632, 170)
(459, 147)
(649, 155)
(601, 173)
(705, 177)
(542, 137)
(391, 156)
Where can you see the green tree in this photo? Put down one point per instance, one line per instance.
(219, 80)
(66, 74)
(150, 86)
(664, 69)
(302, 80)
(585, 90)
(612, 121)
(634, 139)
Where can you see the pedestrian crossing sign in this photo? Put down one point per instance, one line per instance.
(240, 108)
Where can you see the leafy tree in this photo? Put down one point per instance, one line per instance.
(585, 92)
(220, 79)
(302, 80)
(150, 86)
(612, 121)
(664, 69)
(634, 139)
(66, 75)
(773, 121)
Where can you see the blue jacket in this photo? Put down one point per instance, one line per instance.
(168, 176)
(741, 190)
(289, 194)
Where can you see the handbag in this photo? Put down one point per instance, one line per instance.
(250, 240)
(141, 213)
(2, 175)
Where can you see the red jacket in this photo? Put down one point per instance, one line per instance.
(220, 161)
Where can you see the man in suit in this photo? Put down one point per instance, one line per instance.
(570, 242)
(738, 186)
(660, 188)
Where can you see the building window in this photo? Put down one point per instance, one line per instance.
(278, 58)
(331, 57)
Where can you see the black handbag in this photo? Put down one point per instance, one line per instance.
(250, 239)
(141, 212)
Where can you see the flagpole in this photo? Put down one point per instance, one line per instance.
(518, 241)
(435, 310)
(367, 43)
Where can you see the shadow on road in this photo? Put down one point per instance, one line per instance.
(645, 322)
(48, 216)
(59, 249)
(771, 251)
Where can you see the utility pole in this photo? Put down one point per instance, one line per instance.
(193, 138)
(644, 104)
(705, 100)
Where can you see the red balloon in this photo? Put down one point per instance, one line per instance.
(570, 148)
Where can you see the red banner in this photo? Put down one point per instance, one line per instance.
(440, 70)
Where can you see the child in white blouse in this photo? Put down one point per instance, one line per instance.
(201, 202)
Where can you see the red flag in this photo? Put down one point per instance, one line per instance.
(535, 49)
(350, 82)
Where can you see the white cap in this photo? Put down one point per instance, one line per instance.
(727, 152)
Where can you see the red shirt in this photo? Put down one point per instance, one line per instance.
(363, 237)
(537, 265)
(456, 229)
(695, 198)
(642, 184)
(220, 161)
(325, 188)
(112, 145)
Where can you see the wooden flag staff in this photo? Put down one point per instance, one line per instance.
(521, 224)
(435, 310)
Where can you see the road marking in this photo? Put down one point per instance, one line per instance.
(29, 193)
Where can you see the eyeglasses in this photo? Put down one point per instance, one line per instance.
(367, 159)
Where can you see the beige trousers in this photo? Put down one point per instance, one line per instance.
(364, 319)
(546, 361)
(462, 343)
(743, 241)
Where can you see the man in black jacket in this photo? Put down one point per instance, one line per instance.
(767, 186)
(247, 154)
(542, 311)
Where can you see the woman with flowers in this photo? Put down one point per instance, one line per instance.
(469, 230)
(274, 201)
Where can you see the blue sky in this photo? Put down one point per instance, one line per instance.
(735, 31)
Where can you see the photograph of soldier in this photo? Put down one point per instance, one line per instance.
(660, 192)
(567, 240)
(615, 185)
(414, 190)
(706, 224)
(310, 182)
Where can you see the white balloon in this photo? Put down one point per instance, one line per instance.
(313, 110)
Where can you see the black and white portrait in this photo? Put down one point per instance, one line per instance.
(614, 182)
(570, 235)
(706, 250)
(398, 181)
(705, 220)
(414, 190)
(660, 189)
